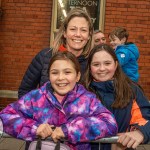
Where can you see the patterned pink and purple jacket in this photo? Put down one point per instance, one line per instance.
(81, 116)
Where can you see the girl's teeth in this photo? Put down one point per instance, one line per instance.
(64, 84)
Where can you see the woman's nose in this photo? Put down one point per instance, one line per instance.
(78, 32)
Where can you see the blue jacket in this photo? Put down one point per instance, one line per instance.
(124, 117)
(128, 55)
(81, 116)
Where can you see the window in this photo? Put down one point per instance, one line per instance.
(96, 9)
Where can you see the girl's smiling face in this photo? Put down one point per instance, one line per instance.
(102, 66)
(63, 76)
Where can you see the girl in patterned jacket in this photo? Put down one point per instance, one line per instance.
(75, 112)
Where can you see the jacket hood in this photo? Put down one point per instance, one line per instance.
(131, 47)
(77, 91)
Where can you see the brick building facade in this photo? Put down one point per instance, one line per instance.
(25, 27)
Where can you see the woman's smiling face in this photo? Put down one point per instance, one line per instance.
(77, 35)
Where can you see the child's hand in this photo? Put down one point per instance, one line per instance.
(44, 130)
(57, 134)
(131, 139)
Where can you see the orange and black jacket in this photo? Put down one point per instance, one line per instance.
(136, 114)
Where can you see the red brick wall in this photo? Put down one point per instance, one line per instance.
(6, 101)
(25, 30)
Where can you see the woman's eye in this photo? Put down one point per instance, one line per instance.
(72, 29)
(53, 72)
(83, 30)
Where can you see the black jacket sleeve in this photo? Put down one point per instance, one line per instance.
(32, 76)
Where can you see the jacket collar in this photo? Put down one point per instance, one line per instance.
(70, 96)
(107, 86)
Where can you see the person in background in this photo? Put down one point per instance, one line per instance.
(99, 37)
(74, 35)
(61, 102)
(123, 97)
(127, 52)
